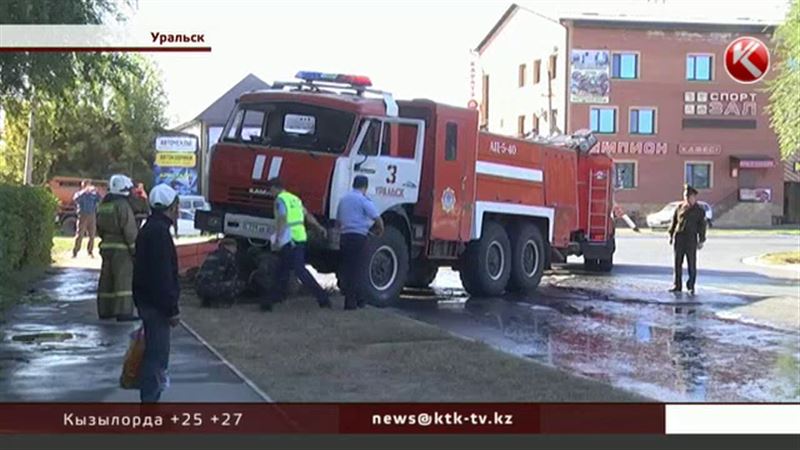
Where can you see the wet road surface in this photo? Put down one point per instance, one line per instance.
(54, 349)
(626, 330)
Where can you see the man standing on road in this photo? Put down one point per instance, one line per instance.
(355, 216)
(291, 238)
(117, 229)
(86, 201)
(156, 290)
(687, 234)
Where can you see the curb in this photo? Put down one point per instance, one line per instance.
(230, 366)
(755, 261)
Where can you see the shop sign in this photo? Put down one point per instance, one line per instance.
(699, 149)
(176, 159)
(176, 143)
(735, 104)
(631, 148)
(756, 163)
(760, 195)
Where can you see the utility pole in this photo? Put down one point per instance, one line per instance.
(28, 176)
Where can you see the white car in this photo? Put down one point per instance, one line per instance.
(192, 203)
(185, 226)
(662, 219)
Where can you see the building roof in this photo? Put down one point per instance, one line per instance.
(744, 24)
(217, 113)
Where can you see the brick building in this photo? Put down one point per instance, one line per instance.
(658, 98)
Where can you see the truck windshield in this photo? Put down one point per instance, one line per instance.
(290, 125)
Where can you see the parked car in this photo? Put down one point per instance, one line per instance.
(185, 226)
(662, 219)
(193, 203)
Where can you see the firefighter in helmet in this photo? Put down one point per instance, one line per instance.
(116, 226)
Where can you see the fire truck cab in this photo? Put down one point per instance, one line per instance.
(495, 208)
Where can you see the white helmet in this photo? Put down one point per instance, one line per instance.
(162, 196)
(120, 185)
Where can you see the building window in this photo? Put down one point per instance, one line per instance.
(451, 142)
(625, 66)
(522, 70)
(625, 174)
(698, 175)
(603, 120)
(535, 124)
(551, 69)
(642, 121)
(537, 71)
(699, 67)
(521, 125)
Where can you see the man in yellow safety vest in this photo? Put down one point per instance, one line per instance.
(291, 238)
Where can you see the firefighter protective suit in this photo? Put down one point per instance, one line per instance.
(116, 226)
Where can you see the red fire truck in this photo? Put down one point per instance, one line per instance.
(495, 208)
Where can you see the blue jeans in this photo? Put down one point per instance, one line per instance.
(293, 259)
(152, 373)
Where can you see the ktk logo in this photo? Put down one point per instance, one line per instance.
(747, 60)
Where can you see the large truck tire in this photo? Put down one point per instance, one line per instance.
(69, 226)
(421, 274)
(528, 258)
(486, 264)
(387, 268)
(260, 274)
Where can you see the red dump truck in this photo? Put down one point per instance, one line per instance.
(495, 208)
(64, 188)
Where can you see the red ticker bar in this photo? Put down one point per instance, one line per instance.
(371, 418)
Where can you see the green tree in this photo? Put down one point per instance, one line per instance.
(91, 129)
(51, 73)
(785, 87)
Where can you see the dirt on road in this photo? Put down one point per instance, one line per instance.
(300, 353)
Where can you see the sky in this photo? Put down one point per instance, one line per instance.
(412, 48)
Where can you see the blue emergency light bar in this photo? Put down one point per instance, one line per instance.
(354, 80)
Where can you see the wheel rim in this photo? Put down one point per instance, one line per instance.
(383, 268)
(495, 261)
(530, 258)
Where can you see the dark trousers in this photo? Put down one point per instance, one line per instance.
(685, 245)
(352, 262)
(153, 371)
(293, 259)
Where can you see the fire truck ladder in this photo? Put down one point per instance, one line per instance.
(599, 185)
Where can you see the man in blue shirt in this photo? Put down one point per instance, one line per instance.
(356, 216)
(86, 201)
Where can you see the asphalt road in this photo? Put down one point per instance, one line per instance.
(625, 329)
(56, 350)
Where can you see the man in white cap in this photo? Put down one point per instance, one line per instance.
(156, 289)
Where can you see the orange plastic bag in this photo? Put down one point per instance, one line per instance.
(133, 360)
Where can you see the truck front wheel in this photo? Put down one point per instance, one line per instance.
(387, 268)
(486, 264)
(528, 258)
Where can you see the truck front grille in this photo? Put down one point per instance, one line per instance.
(243, 197)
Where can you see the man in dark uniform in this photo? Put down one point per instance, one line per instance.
(687, 233)
(217, 282)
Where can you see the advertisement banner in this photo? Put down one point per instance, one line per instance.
(176, 159)
(182, 179)
(176, 143)
(589, 78)
(760, 195)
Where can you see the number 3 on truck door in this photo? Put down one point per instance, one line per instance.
(392, 178)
